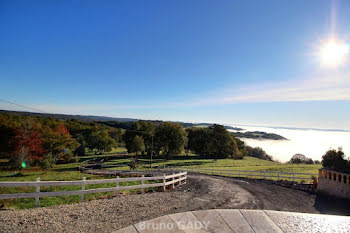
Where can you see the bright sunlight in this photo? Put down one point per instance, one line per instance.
(334, 53)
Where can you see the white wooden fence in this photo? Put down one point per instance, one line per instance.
(165, 180)
(268, 175)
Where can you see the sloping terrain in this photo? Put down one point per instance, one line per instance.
(200, 192)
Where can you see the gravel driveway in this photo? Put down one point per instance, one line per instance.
(200, 192)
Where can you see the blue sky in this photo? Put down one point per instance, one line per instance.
(239, 62)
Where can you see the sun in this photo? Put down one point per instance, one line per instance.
(334, 53)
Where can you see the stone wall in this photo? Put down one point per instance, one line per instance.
(334, 183)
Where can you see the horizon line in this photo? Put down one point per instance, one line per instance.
(194, 122)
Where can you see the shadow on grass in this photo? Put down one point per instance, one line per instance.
(144, 160)
(15, 174)
(65, 169)
(189, 163)
(98, 158)
(118, 164)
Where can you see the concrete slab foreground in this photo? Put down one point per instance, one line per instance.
(236, 221)
(188, 222)
(260, 222)
(242, 221)
(213, 221)
(300, 222)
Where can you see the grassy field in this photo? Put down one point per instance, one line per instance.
(70, 171)
(248, 163)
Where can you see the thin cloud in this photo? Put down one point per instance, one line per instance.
(330, 86)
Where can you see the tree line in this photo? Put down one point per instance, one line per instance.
(43, 141)
(34, 140)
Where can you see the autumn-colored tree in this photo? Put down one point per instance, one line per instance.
(26, 144)
(59, 142)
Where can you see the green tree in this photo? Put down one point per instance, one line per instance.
(171, 138)
(334, 160)
(81, 132)
(215, 142)
(258, 152)
(100, 140)
(224, 144)
(145, 129)
(137, 145)
(300, 158)
(200, 140)
(116, 134)
(241, 146)
(47, 162)
(148, 129)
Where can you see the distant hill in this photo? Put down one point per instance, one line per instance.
(70, 117)
(206, 125)
(258, 135)
(111, 121)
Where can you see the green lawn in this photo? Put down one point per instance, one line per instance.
(70, 171)
(248, 163)
(64, 172)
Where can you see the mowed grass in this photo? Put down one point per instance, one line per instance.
(66, 172)
(247, 164)
(224, 165)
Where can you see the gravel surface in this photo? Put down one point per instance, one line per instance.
(200, 192)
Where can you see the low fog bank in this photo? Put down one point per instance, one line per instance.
(312, 143)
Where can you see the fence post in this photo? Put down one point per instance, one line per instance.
(142, 184)
(278, 179)
(164, 188)
(293, 177)
(264, 175)
(117, 186)
(82, 189)
(37, 190)
(212, 171)
(251, 174)
(239, 173)
(173, 181)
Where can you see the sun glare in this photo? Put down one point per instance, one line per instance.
(334, 53)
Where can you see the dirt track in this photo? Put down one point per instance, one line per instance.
(219, 192)
(200, 192)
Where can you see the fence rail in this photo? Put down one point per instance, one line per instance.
(179, 178)
(293, 176)
(338, 177)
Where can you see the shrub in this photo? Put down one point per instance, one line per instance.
(47, 162)
(300, 158)
(258, 152)
(133, 164)
(80, 151)
(237, 155)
